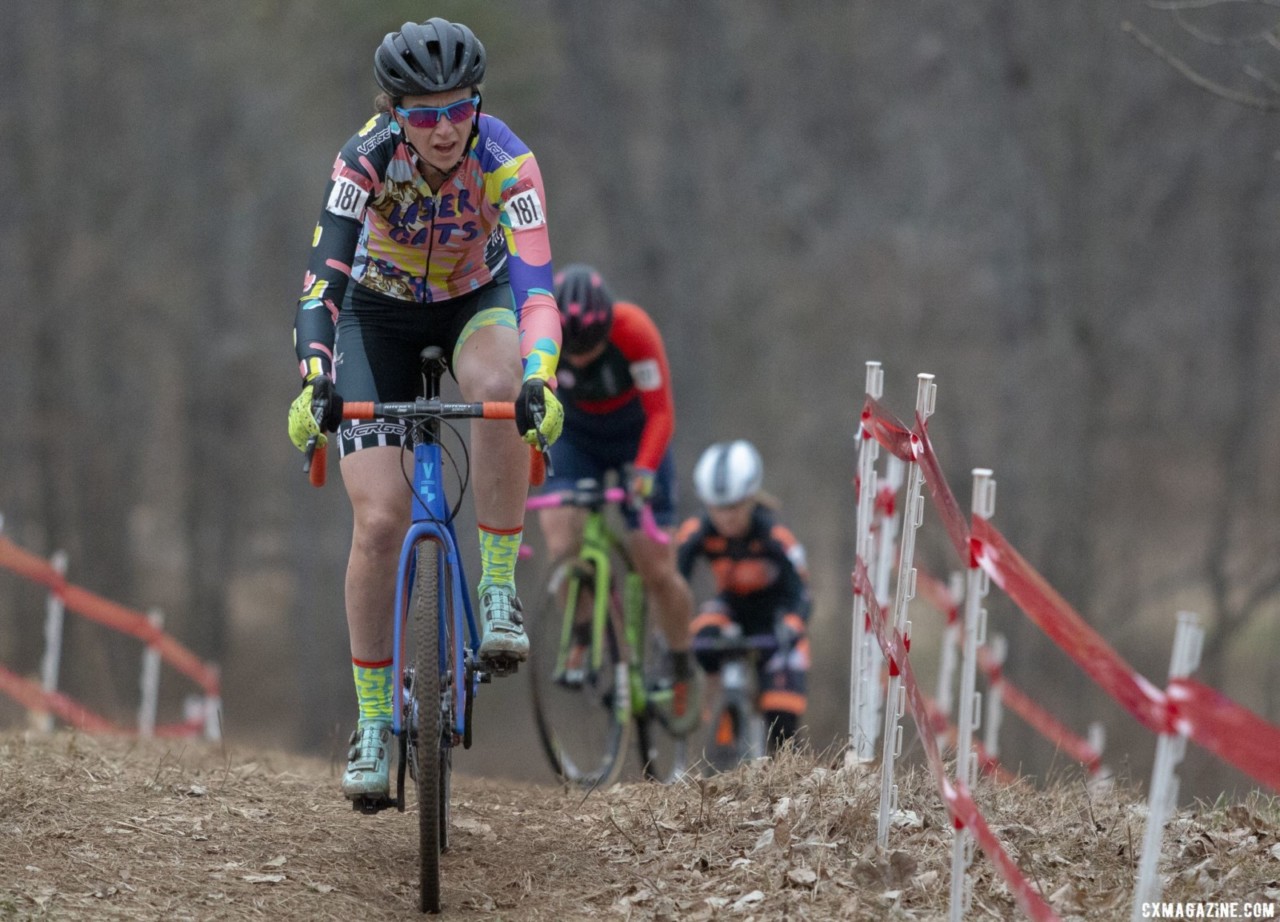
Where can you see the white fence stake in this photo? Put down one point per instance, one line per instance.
(999, 650)
(150, 680)
(1102, 778)
(862, 746)
(1170, 748)
(206, 709)
(1097, 736)
(55, 613)
(213, 715)
(886, 536)
(895, 696)
(969, 701)
(950, 648)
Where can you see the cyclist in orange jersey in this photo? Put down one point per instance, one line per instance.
(762, 581)
(620, 416)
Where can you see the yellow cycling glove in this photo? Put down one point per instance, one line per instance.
(536, 398)
(640, 487)
(314, 410)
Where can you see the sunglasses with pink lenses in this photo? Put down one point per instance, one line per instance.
(429, 116)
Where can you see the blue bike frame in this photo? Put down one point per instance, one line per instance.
(432, 522)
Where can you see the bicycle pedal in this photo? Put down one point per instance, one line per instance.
(502, 666)
(371, 805)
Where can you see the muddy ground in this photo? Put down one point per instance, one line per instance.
(105, 828)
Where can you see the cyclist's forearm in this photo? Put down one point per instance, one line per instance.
(540, 337)
(324, 286)
(313, 338)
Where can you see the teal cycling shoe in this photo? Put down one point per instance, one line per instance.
(504, 643)
(368, 774)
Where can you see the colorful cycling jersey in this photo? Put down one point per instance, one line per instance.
(627, 388)
(384, 228)
(767, 564)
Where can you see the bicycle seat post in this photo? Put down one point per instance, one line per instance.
(433, 365)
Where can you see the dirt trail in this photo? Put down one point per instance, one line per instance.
(94, 828)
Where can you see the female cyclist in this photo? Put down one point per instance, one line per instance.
(760, 574)
(433, 232)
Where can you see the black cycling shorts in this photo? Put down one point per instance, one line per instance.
(379, 345)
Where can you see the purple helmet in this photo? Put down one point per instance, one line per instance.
(586, 308)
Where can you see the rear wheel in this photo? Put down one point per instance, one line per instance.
(663, 756)
(584, 725)
(429, 774)
(728, 735)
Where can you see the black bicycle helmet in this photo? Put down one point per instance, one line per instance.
(586, 308)
(429, 57)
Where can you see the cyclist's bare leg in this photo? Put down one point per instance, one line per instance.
(487, 366)
(669, 594)
(375, 483)
(562, 530)
(379, 497)
(671, 600)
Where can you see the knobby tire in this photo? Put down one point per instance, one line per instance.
(664, 757)
(563, 716)
(725, 755)
(429, 774)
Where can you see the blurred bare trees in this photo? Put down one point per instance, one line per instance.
(1230, 48)
(1022, 201)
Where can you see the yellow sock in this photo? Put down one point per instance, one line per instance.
(373, 689)
(499, 548)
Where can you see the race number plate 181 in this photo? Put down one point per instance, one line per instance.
(347, 199)
(525, 210)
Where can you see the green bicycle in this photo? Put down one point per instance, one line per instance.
(608, 677)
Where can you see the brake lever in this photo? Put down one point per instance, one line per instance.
(318, 410)
(309, 452)
(542, 442)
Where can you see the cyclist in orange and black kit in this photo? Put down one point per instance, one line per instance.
(619, 415)
(762, 582)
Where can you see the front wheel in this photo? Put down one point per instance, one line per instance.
(430, 773)
(730, 735)
(583, 719)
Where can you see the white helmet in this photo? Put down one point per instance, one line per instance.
(728, 472)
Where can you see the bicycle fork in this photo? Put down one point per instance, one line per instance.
(593, 569)
(633, 613)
